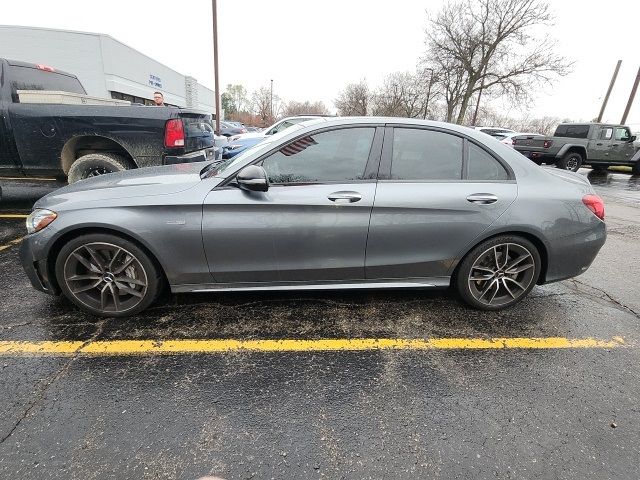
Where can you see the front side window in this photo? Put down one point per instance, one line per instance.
(425, 155)
(483, 166)
(334, 156)
(622, 134)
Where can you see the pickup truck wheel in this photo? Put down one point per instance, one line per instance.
(94, 164)
(571, 161)
(635, 170)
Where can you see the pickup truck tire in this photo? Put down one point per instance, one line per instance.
(94, 164)
(635, 169)
(571, 161)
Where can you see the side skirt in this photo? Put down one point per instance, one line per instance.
(430, 282)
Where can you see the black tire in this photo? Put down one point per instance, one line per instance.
(94, 164)
(571, 161)
(635, 169)
(108, 285)
(469, 289)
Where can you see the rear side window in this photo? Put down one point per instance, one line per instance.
(572, 131)
(425, 155)
(483, 166)
(27, 78)
(334, 156)
(606, 133)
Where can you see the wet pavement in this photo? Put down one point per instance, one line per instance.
(460, 413)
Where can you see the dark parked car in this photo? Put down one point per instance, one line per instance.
(227, 129)
(344, 203)
(81, 141)
(575, 144)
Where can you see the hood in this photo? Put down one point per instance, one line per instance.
(150, 181)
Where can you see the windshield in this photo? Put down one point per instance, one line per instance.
(212, 169)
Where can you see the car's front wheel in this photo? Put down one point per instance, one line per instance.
(107, 275)
(498, 273)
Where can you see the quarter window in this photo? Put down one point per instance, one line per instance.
(483, 166)
(425, 155)
(334, 156)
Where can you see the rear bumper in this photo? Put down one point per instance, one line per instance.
(205, 155)
(573, 255)
(538, 157)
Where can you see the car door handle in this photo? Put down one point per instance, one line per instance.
(482, 198)
(349, 197)
(599, 144)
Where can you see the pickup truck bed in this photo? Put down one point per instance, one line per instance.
(85, 140)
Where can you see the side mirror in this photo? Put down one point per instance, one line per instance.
(253, 178)
(632, 139)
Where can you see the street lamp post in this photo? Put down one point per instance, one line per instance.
(214, 8)
(271, 103)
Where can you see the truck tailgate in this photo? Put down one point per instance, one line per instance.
(198, 131)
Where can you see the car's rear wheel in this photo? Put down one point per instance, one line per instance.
(571, 161)
(498, 273)
(94, 164)
(107, 275)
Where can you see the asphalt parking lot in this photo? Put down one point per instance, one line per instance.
(403, 384)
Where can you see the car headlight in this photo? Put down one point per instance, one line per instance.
(39, 219)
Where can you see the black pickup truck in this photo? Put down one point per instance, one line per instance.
(79, 141)
(573, 145)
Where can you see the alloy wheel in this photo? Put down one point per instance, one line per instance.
(502, 274)
(105, 277)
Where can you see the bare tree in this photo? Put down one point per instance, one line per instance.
(404, 94)
(492, 46)
(354, 100)
(304, 108)
(261, 105)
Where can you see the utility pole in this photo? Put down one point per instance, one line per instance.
(475, 113)
(214, 8)
(271, 103)
(606, 97)
(426, 107)
(631, 97)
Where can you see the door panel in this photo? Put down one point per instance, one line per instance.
(289, 233)
(419, 229)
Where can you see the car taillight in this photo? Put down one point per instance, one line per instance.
(595, 204)
(547, 143)
(46, 68)
(243, 130)
(174, 133)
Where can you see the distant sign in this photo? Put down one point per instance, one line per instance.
(155, 81)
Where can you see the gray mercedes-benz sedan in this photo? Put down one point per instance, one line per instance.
(331, 203)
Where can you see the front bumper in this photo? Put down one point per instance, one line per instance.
(37, 270)
(205, 155)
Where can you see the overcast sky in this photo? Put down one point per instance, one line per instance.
(313, 49)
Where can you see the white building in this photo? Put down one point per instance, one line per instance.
(106, 67)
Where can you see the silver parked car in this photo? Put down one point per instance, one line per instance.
(326, 204)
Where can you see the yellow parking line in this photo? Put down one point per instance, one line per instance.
(10, 244)
(13, 215)
(196, 346)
